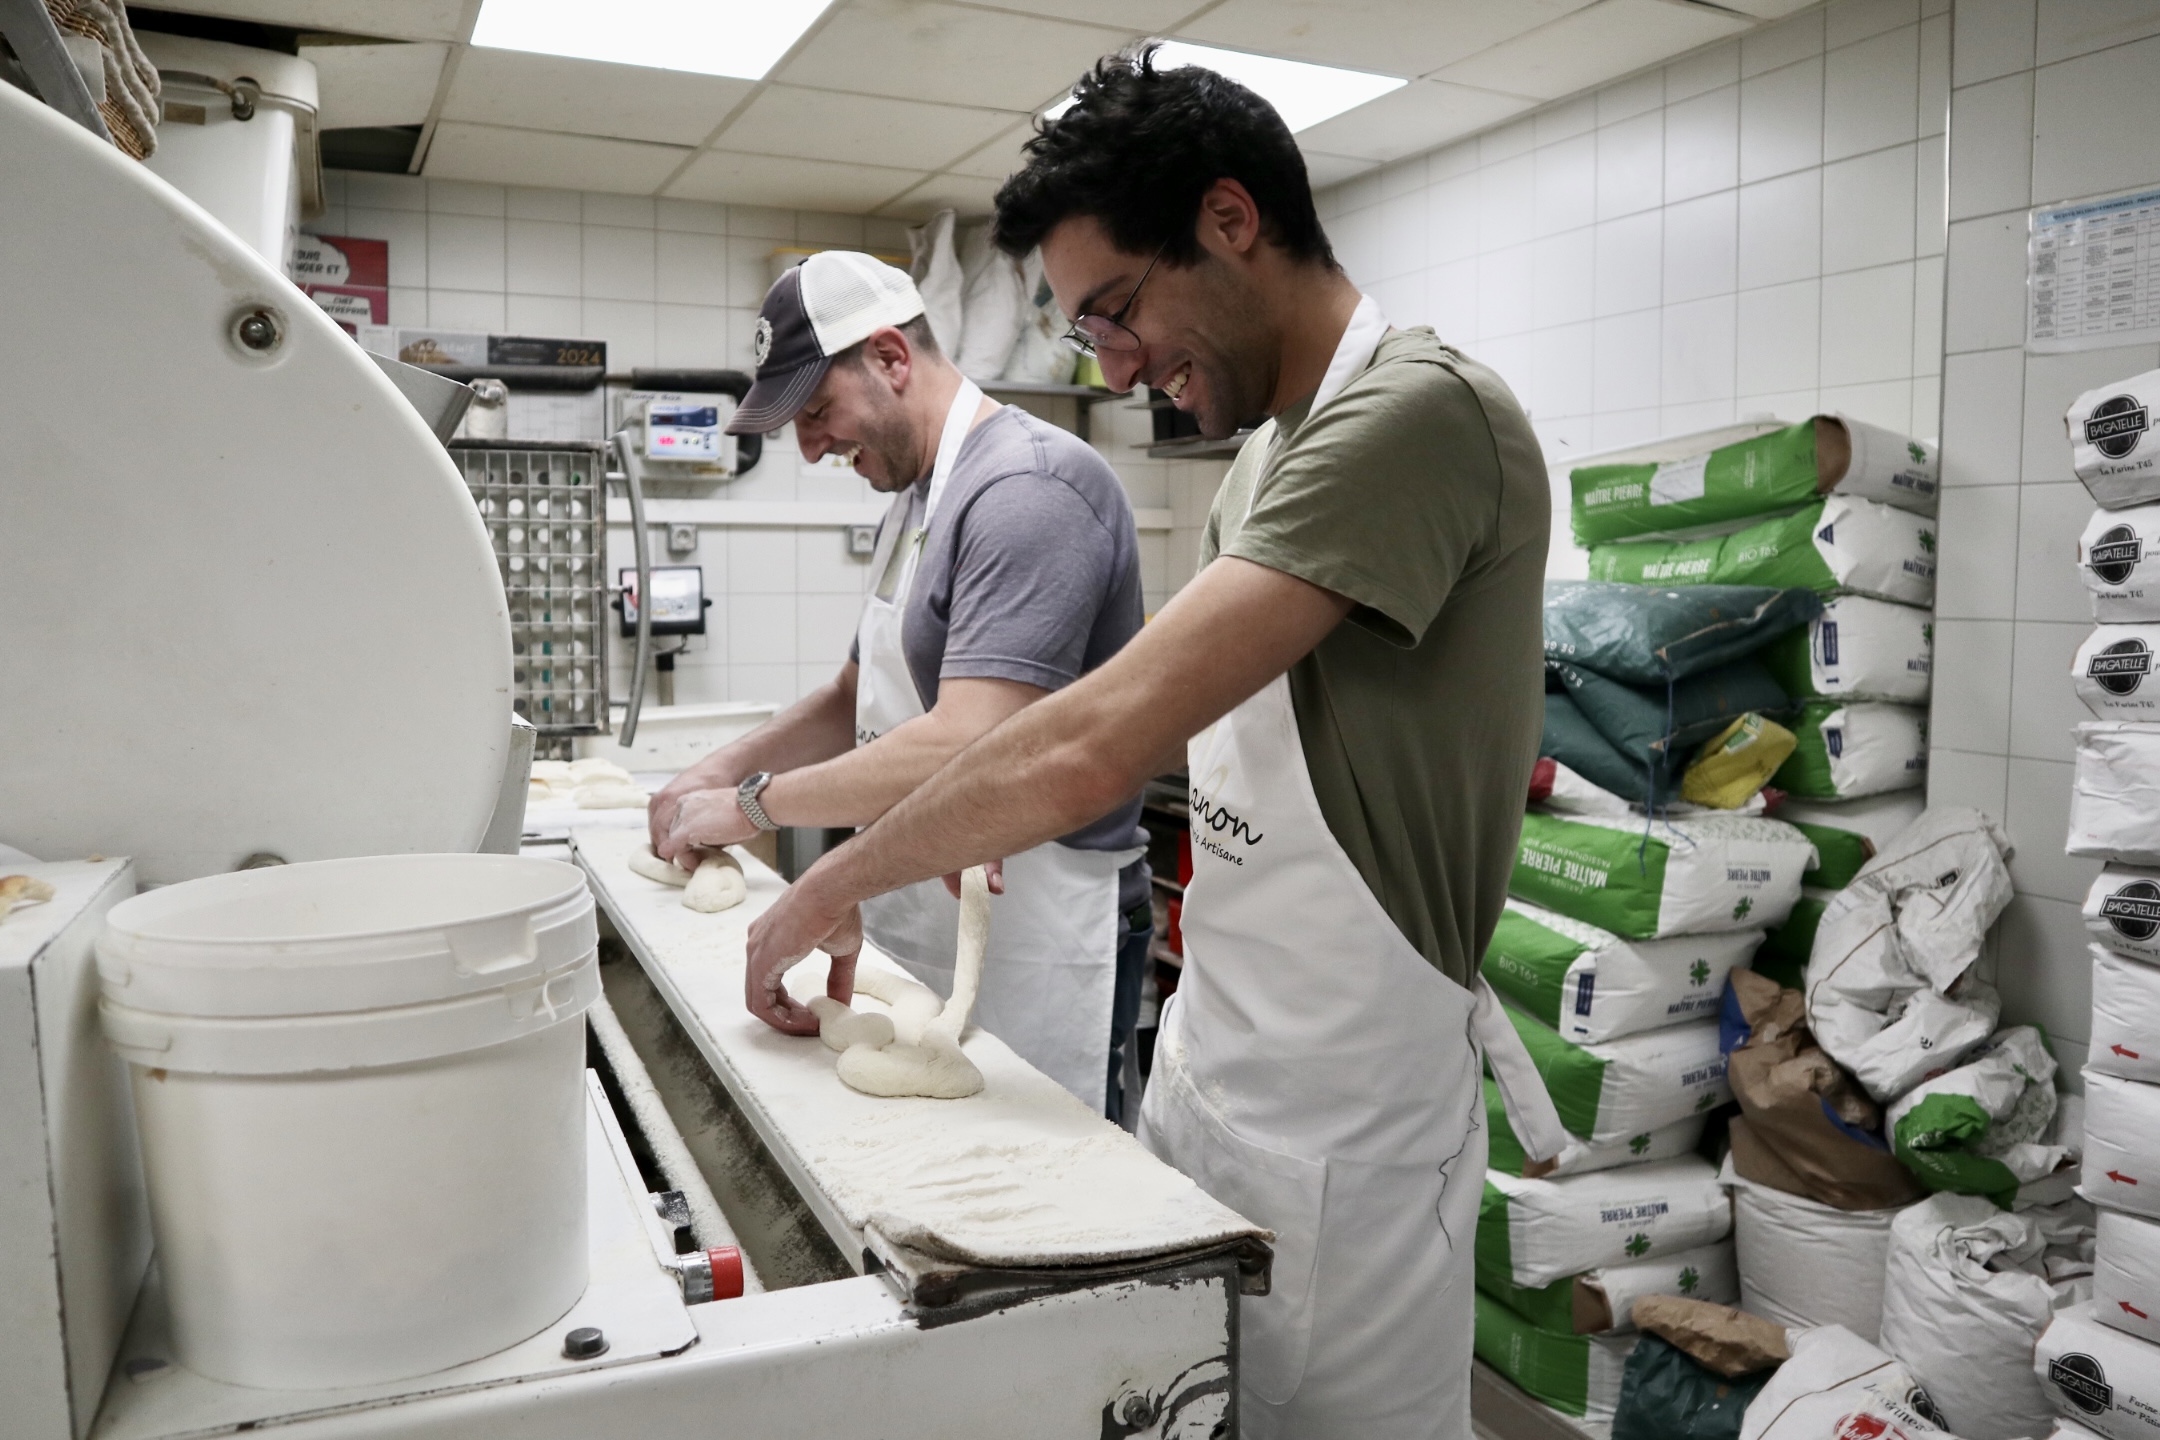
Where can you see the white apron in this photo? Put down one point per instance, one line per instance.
(1315, 1073)
(1050, 972)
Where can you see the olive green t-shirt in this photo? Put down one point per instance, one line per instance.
(1419, 493)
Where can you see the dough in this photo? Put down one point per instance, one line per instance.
(652, 867)
(717, 885)
(585, 772)
(551, 771)
(538, 789)
(917, 1051)
(612, 795)
(22, 890)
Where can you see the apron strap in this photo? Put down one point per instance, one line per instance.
(1530, 1111)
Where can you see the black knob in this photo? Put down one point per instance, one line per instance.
(584, 1343)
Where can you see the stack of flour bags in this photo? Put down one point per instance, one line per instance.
(1611, 958)
(2100, 1362)
(1832, 505)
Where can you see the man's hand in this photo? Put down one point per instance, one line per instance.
(780, 939)
(705, 820)
(993, 871)
(666, 805)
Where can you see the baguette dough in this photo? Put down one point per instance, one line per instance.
(718, 884)
(652, 867)
(612, 795)
(917, 1050)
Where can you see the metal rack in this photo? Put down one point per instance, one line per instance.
(545, 512)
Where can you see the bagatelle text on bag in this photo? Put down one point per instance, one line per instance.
(2119, 556)
(2113, 447)
(2113, 672)
(2122, 910)
(2109, 1382)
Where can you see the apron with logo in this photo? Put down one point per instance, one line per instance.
(1315, 1073)
(1050, 972)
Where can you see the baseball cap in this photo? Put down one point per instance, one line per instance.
(834, 299)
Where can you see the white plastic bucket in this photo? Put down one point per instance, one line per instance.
(359, 1086)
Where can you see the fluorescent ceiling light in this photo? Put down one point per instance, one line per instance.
(1303, 94)
(741, 38)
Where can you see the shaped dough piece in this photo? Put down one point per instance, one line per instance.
(612, 795)
(717, 885)
(840, 1027)
(554, 772)
(928, 1063)
(652, 867)
(585, 772)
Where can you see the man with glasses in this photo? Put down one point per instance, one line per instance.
(1006, 568)
(1358, 667)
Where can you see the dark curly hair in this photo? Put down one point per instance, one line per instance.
(1139, 148)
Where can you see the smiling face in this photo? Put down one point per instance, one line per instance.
(856, 411)
(1206, 341)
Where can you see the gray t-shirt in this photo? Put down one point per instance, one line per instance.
(1030, 572)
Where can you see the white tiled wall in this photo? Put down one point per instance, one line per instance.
(1756, 228)
(2052, 100)
(677, 283)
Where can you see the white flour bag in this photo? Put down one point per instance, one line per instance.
(1891, 468)
(2105, 1380)
(1704, 1273)
(1590, 985)
(2119, 556)
(1859, 648)
(2122, 1144)
(1535, 1232)
(2122, 910)
(1612, 1090)
(1644, 879)
(2115, 792)
(1852, 748)
(2125, 1017)
(2113, 672)
(1804, 1263)
(2126, 1273)
(1888, 995)
(2113, 446)
(1965, 1298)
(1838, 1386)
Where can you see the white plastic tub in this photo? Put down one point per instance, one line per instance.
(359, 1090)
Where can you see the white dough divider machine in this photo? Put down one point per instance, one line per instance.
(252, 616)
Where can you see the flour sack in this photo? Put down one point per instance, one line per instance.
(1981, 1128)
(2115, 792)
(2101, 1378)
(1642, 879)
(1578, 1375)
(1849, 833)
(1613, 1089)
(1850, 749)
(1838, 546)
(2125, 1017)
(1602, 1301)
(1838, 1386)
(2122, 910)
(2119, 558)
(2126, 1274)
(1589, 984)
(2113, 672)
(2113, 447)
(1966, 1296)
(1858, 649)
(2122, 1144)
(1532, 1233)
(1505, 1151)
(1804, 1263)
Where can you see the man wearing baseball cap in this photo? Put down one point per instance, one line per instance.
(1006, 568)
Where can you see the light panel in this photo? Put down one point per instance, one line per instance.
(738, 38)
(1303, 94)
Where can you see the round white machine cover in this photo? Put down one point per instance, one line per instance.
(246, 603)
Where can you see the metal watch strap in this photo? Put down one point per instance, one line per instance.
(746, 797)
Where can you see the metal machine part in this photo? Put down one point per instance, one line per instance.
(623, 453)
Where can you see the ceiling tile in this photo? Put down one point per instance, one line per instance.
(588, 97)
(390, 19)
(1000, 157)
(1421, 115)
(375, 84)
(860, 129)
(740, 179)
(1389, 37)
(1325, 170)
(1608, 40)
(1142, 17)
(535, 157)
(968, 194)
(921, 50)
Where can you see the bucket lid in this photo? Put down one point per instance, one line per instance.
(332, 936)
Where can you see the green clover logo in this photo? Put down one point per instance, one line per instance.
(1708, 1100)
(1689, 1279)
(1640, 1145)
(1740, 911)
(1927, 541)
(1638, 1245)
(1700, 970)
(1913, 449)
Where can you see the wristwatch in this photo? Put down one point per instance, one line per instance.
(746, 796)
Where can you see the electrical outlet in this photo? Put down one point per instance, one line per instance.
(862, 541)
(681, 539)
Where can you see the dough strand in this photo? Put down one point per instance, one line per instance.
(916, 1051)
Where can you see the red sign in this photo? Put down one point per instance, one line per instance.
(348, 277)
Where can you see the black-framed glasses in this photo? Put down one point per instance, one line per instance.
(1091, 334)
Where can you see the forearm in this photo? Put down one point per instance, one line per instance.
(855, 788)
(813, 729)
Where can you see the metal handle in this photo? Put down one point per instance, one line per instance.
(30, 32)
(626, 455)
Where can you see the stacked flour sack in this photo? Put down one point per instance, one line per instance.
(1611, 958)
(2100, 1362)
(1833, 505)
